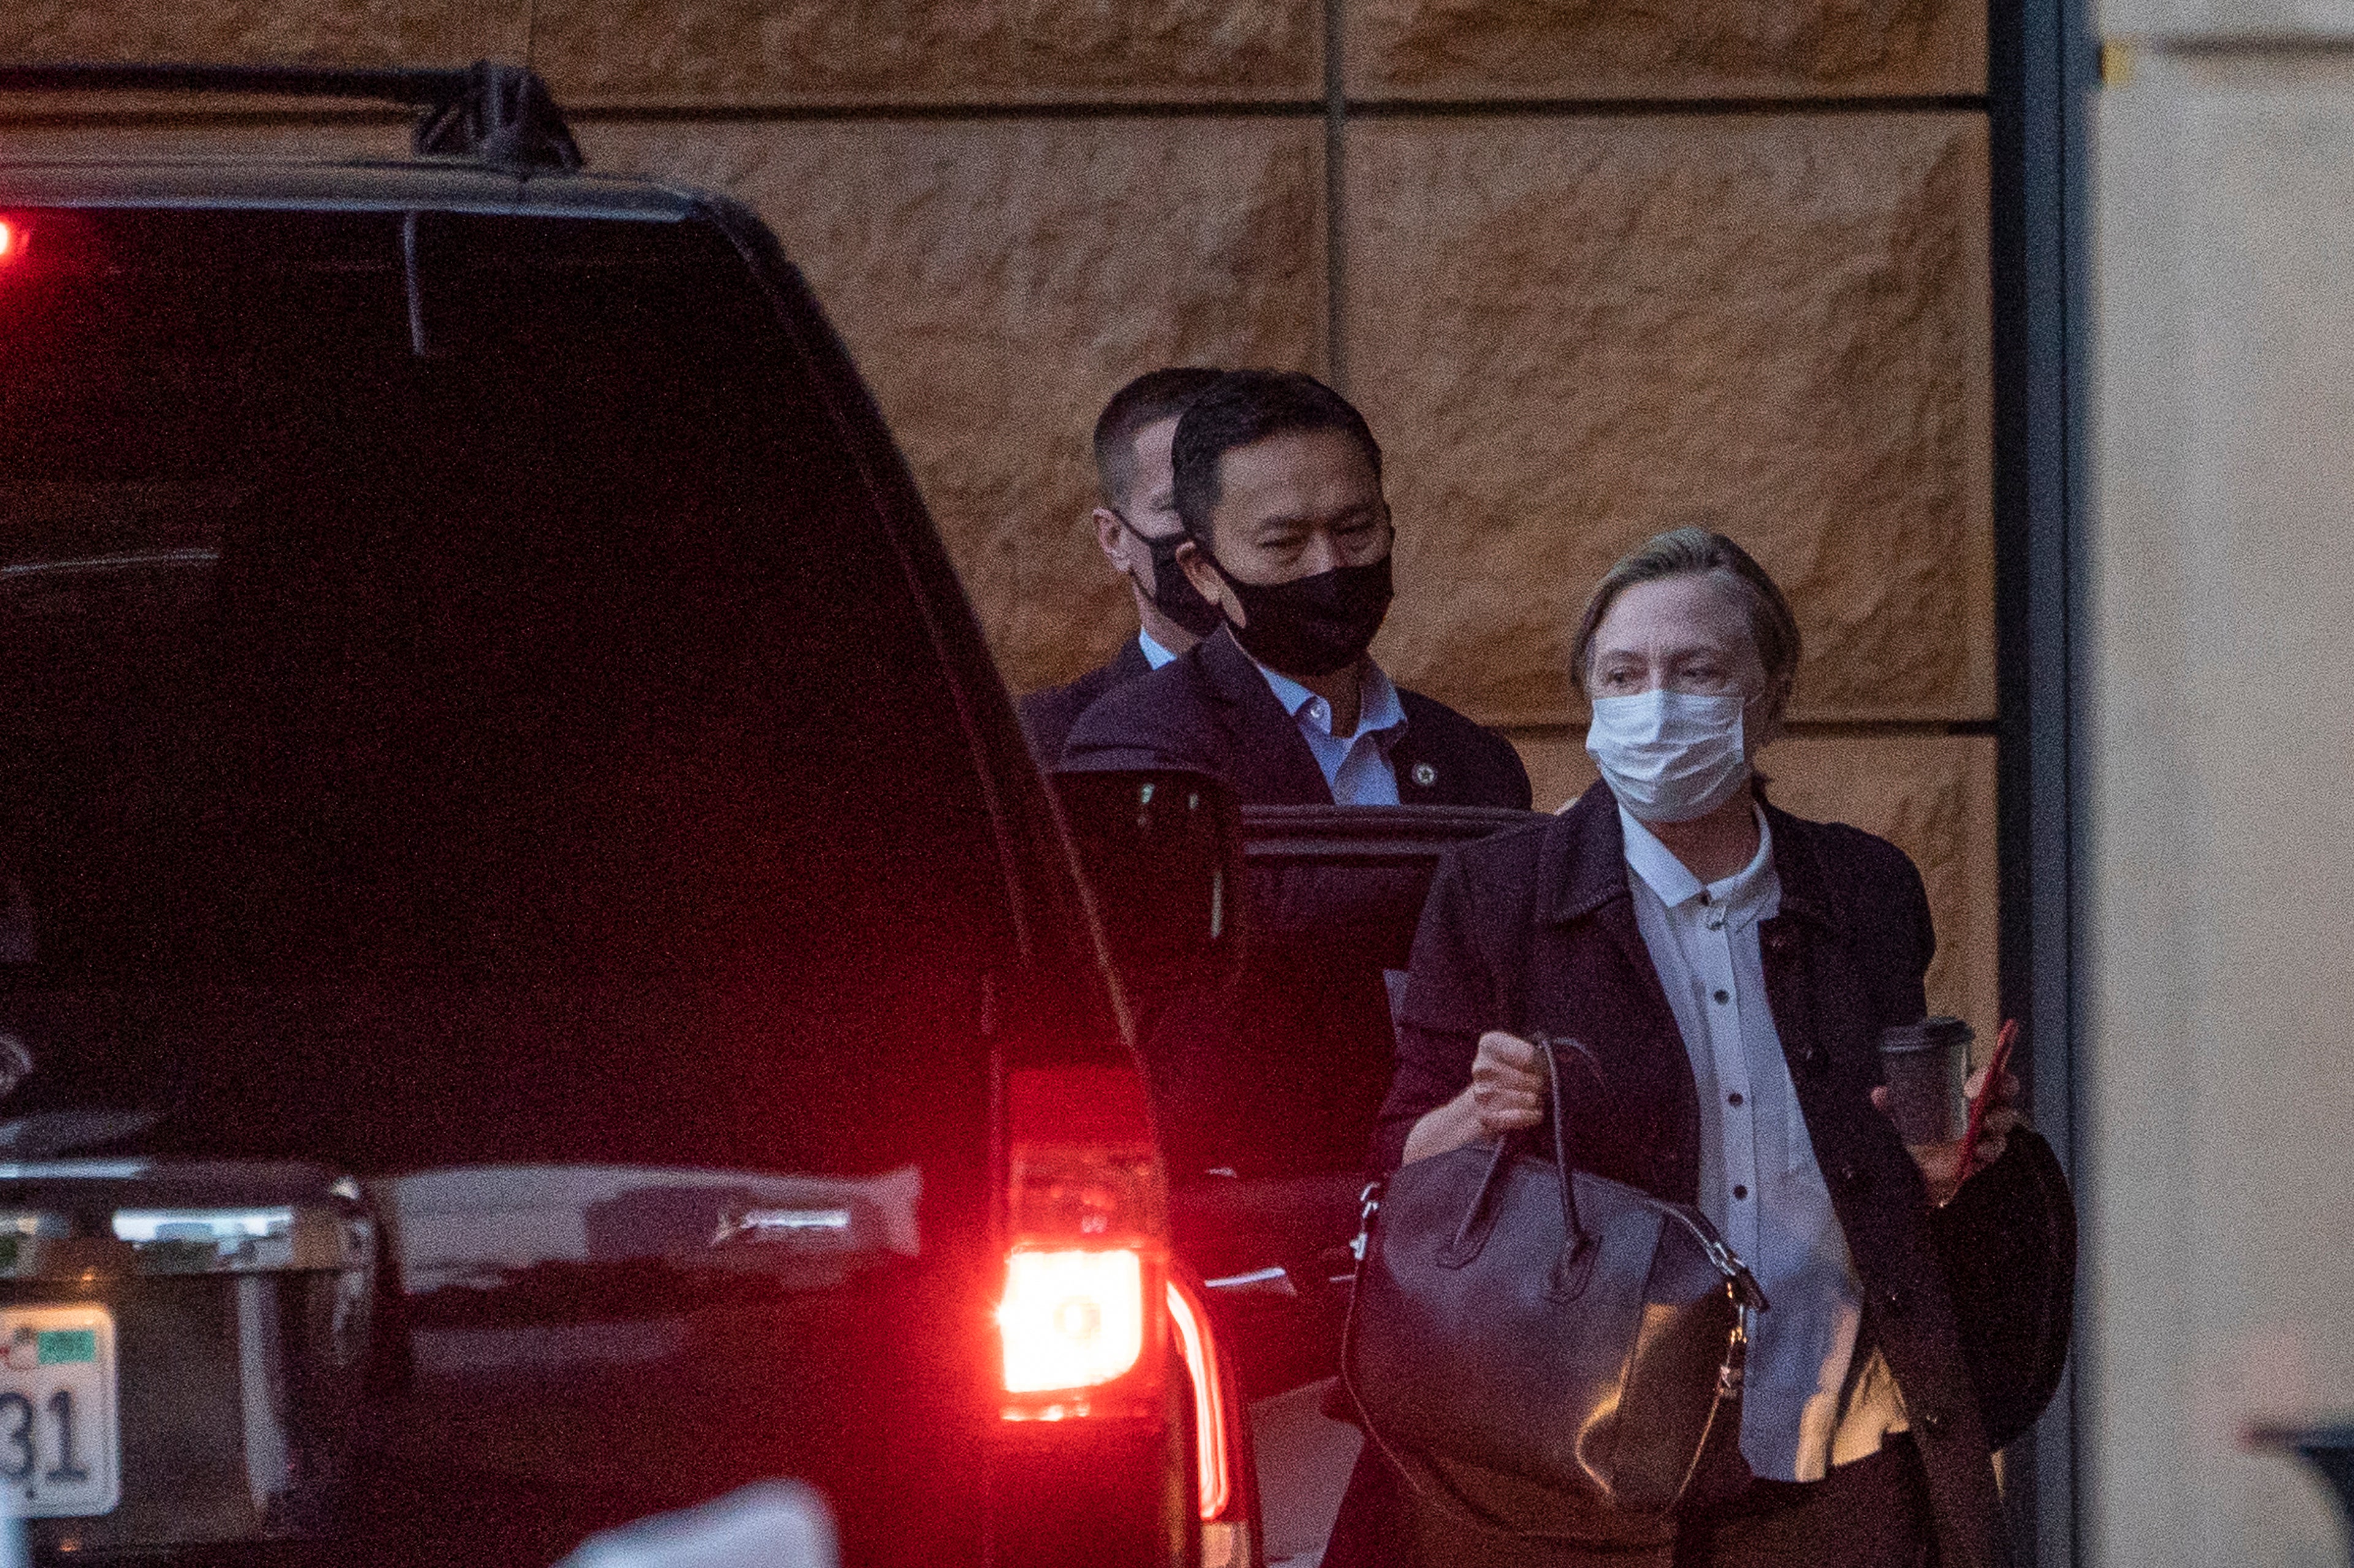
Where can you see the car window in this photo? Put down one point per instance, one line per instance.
(1282, 1073)
(458, 700)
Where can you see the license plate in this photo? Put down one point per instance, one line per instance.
(60, 1441)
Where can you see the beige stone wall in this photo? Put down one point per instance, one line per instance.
(1592, 269)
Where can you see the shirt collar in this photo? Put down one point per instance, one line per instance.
(1670, 878)
(1154, 654)
(1379, 711)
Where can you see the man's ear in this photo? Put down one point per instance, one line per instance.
(1111, 539)
(1195, 564)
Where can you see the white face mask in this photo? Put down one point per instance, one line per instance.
(1669, 755)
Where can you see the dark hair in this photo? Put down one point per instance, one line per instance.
(1247, 406)
(1697, 553)
(1155, 396)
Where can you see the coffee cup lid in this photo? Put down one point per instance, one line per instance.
(1939, 1033)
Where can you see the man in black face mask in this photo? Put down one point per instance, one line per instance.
(1279, 486)
(1138, 531)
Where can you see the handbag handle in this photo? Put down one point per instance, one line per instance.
(1573, 1239)
(1575, 1243)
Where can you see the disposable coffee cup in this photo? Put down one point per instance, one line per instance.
(1927, 1064)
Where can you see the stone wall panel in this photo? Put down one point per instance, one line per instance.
(1482, 49)
(1571, 333)
(997, 281)
(310, 32)
(46, 133)
(1932, 796)
(763, 52)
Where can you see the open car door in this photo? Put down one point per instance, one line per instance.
(1268, 1086)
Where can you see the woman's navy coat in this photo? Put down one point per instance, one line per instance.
(1534, 930)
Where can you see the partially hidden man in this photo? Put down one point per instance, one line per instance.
(1278, 484)
(1731, 967)
(1137, 529)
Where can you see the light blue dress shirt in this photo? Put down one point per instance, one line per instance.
(1759, 1181)
(1357, 767)
(1154, 654)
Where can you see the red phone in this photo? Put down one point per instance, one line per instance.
(1995, 1069)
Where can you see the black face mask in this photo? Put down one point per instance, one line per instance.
(1174, 594)
(1312, 626)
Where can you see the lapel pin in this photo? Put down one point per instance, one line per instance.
(1424, 775)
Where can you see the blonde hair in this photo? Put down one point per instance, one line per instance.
(1690, 552)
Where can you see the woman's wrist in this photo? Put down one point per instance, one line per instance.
(1451, 1125)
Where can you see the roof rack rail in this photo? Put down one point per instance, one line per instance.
(501, 114)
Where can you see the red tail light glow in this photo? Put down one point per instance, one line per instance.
(1193, 1336)
(12, 241)
(1071, 1319)
(1083, 1319)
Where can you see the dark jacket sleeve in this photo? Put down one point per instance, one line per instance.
(1889, 911)
(1501, 777)
(1513, 774)
(1046, 715)
(1451, 1000)
(1098, 755)
(1925, 937)
(1475, 766)
(1160, 720)
(2007, 1243)
(1123, 730)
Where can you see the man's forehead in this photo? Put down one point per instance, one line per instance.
(1308, 471)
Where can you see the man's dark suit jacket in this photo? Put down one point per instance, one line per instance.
(1214, 712)
(1048, 714)
(1534, 929)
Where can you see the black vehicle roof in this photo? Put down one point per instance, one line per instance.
(383, 185)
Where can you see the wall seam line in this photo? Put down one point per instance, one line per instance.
(1336, 131)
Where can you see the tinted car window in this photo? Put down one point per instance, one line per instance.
(457, 703)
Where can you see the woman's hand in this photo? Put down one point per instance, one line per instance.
(1941, 1163)
(1508, 1083)
(1507, 1092)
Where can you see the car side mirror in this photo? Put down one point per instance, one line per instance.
(1162, 849)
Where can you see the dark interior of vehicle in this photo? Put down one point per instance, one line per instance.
(1269, 1086)
(494, 724)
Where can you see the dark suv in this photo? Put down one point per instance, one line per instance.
(538, 982)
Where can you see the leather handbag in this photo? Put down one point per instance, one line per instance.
(1515, 1316)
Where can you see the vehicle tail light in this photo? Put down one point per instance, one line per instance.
(1071, 1319)
(12, 241)
(1084, 1315)
(1211, 1443)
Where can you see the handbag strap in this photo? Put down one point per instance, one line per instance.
(1514, 1002)
(1573, 1239)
